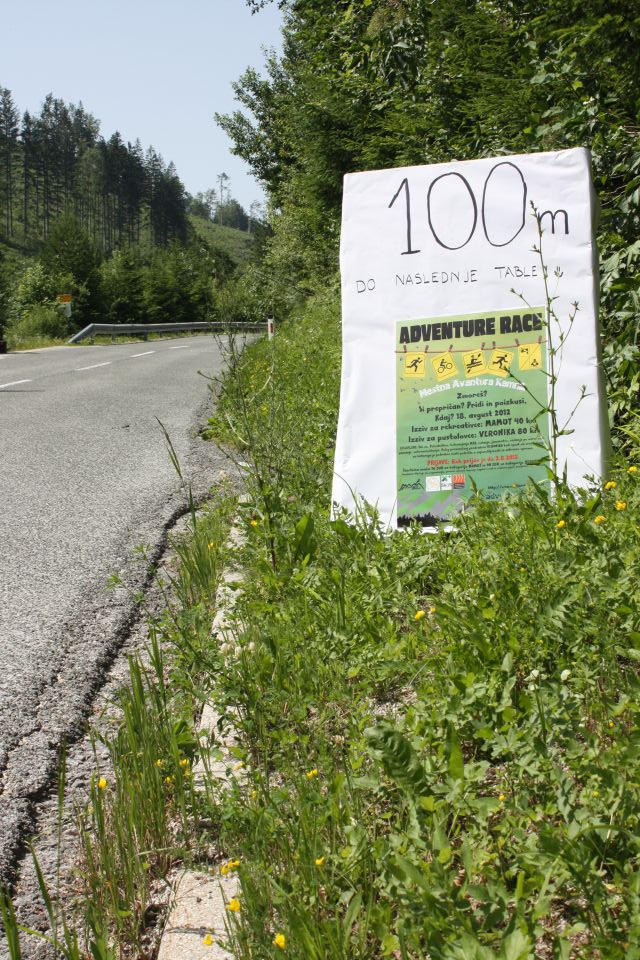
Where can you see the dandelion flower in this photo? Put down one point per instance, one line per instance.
(280, 941)
(621, 504)
(234, 905)
(311, 774)
(254, 523)
(419, 614)
(610, 485)
(596, 793)
(102, 784)
(560, 524)
(319, 861)
(600, 518)
(208, 940)
(632, 470)
(502, 798)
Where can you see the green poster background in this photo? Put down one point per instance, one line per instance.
(468, 392)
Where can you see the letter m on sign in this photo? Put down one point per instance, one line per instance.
(552, 214)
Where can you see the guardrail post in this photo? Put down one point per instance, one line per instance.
(271, 327)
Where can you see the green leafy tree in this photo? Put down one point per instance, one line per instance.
(231, 214)
(122, 288)
(70, 253)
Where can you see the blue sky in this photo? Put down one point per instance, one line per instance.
(152, 69)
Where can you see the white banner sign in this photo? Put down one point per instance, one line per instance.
(447, 343)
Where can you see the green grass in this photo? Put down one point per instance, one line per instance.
(469, 702)
(236, 243)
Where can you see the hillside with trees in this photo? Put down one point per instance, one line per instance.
(109, 223)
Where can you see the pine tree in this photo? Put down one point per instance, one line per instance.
(8, 145)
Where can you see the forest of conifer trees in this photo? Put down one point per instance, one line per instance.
(56, 161)
(106, 221)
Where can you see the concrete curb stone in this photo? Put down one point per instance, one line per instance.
(196, 927)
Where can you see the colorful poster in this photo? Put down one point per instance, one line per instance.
(449, 274)
(471, 409)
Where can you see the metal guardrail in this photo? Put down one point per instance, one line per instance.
(117, 328)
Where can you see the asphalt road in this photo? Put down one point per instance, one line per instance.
(84, 478)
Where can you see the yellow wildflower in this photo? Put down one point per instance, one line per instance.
(596, 793)
(632, 470)
(239, 765)
(102, 784)
(159, 763)
(319, 861)
(311, 774)
(600, 518)
(621, 504)
(184, 762)
(210, 545)
(419, 614)
(208, 940)
(234, 905)
(432, 610)
(502, 798)
(560, 524)
(611, 724)
(168, 780)
(280, 941)
(254, 523)
(610, 485)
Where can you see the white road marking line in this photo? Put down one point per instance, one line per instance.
(93, 366)
(13, 383)
(183, 346)
(145, 354)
